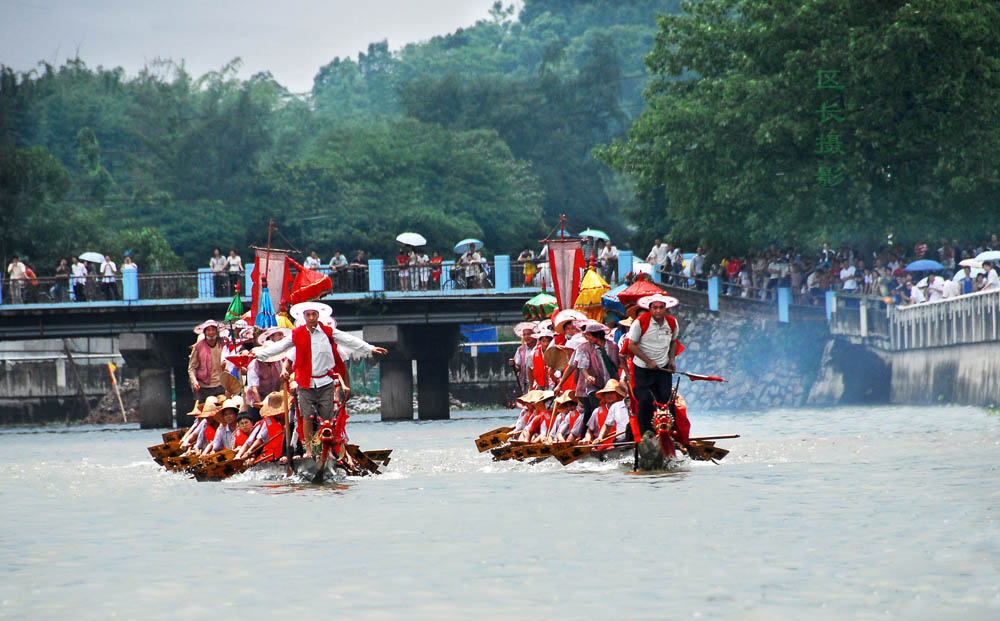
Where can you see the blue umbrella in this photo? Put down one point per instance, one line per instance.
(597, 233)
(265, 314)
(611, 302)
(463, 245)
(924, 265)
(562, 233)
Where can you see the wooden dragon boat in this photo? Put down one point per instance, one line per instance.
(222, 465)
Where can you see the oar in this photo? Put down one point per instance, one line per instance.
(573, 453)
(380, 455)
(694, 377)
(170, 436)
(493, 439)
(361, 459)
(700, 438)
(288, 431)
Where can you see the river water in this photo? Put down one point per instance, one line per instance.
(887, 512)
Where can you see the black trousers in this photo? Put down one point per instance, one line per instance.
(590, 403)
(650, 385)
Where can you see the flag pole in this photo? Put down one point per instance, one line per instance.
(114, 382)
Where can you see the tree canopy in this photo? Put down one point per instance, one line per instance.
(782, 120)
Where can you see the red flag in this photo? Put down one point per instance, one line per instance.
(309, 284)
(566, 264)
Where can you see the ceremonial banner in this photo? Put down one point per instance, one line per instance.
(566, 263)
(278, 279)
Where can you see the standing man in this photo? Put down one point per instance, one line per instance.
(235, 264)
(205, 364)
(338, 270)
(60, 290)
(218, 266)
(18, 277)
(312, 262)
(316, 362)
(79, 280)
(109, 270)
(657, 254)
(653, 342)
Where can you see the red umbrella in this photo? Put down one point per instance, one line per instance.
(639, 289)
(241, 362)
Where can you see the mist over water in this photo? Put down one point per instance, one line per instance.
(834, 513)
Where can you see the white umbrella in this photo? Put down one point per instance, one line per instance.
(970, 263)
(93, 257)
(989, 255)
(975, 271)
(463, 245)
(411, 239)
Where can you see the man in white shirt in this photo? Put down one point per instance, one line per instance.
(657, 255)
(935, 288)
(609, 261)
(312, 262)
(992, 279)
(108, 285)
(316, 362)
(653, 343)
(78, 280)
(847, 280)
(218, 266)
(472, 261)
(18, 278)
(916, 295)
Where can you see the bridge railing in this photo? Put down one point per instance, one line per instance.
(971, 318)
(377, 277)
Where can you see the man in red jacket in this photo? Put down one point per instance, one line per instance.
(316, 362)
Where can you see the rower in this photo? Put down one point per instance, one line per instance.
(541, 373)
(588, 365)
(564, 325)
(525, 402)
(244, 427)
(206, 435)
(225, 433)
(536, 426)
(205, 363)
(611, 417)
(654, 345)
(268, 436)
(568, 423)
(192, 432)
(316, 362)
(264, 376)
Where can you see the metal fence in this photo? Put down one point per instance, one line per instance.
(965, 319)
(971, 318)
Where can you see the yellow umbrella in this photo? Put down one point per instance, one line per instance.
(592, 287)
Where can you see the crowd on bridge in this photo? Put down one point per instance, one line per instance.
(947, 269)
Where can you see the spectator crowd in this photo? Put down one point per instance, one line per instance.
(808, 274)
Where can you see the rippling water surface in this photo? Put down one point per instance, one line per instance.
(840, 513)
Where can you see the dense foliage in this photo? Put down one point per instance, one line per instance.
(485, 132)
(732, 146)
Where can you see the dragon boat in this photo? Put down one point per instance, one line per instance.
(330, 465)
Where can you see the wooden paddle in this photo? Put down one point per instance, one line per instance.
(700, 438)
(381, 455)
(493, 439)
(288, 430)
(573, 453)
(361, 459)
(170, 436)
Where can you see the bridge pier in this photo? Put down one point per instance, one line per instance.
(396, 388)
(432, 346)
(154, 399)
(158, 356)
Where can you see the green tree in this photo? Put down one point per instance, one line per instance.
(727, 147)
(30, 180)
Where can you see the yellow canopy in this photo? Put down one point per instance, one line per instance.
(592, 287)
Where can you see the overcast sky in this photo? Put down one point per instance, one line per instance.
(290, 38)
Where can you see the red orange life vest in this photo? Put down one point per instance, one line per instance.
(539, 371)
(303, 356)
(275, 446)
(646, 317)
(240, 438)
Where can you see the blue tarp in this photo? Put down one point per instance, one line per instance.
(478, 333)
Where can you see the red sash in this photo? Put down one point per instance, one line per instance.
(538, 369)
(303, 356)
